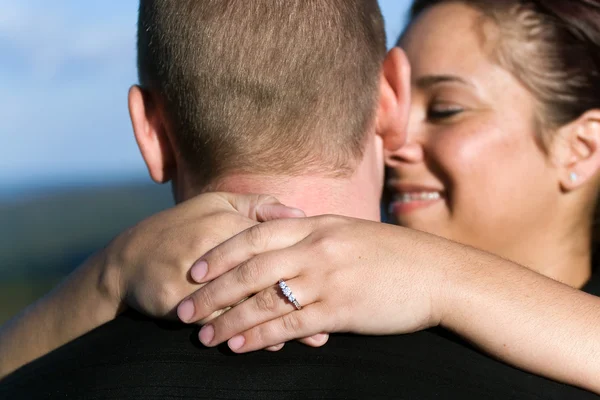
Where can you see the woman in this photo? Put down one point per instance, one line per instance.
(501, 155)
(505, 112)
(467, 103)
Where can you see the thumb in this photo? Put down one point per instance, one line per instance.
(262, 207)
(268, 212)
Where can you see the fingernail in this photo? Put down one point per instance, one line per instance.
(206, 335)
(281, 210)
(275, 348)
(236, 342)
(297, 212)
(199, 270)
(320, 337)
(185, 310)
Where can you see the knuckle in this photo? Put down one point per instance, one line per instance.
(226, 219)
(292, 322)
(338, 321)
(203, 300)
(201, 244)
(206, 236)
(166, 297)
(165, 236)
(257, 237)
(254, 236)
(326, 246)
(261, 334)
(247, 274)
(328, 219)
(216, 259)
(267, 301)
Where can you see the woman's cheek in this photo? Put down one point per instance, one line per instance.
(454, 151)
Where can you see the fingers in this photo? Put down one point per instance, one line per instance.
(261, 207)
(260, 308)
(311, 320)
(256, 274)
(275, 348)
(318, 340)
(260, 238)
(268, 212)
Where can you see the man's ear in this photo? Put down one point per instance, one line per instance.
(150, 133)
(578, 150)
(394, 100)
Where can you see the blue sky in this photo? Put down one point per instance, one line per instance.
(66, 66)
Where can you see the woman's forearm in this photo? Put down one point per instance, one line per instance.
(525, 318)
(79, 304)
(148, 262)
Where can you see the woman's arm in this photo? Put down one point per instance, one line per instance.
(525, 318)
(372, 278)
(145, 267)
(79, 304)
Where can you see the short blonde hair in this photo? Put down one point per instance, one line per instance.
(264, 86)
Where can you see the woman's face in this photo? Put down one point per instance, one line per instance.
(473, 169)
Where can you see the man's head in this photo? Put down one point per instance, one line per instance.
(286, 87)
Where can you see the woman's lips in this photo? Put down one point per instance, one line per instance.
(405, 203)
(410, 197)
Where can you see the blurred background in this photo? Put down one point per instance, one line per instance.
(71, 177)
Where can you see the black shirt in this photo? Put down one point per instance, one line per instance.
(134, 357)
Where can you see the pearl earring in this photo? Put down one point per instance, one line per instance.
(573, 176)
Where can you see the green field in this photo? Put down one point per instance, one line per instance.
(46, 235)
(16, 295)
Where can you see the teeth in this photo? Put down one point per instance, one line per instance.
(418, 196)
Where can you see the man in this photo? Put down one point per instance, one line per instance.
(292, 98)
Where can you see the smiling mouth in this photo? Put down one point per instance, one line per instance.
(406, 203)
(409, 197)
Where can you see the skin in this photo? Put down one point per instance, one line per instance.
(468, 116)
(126, 274)
(473, 135)
(536, 316)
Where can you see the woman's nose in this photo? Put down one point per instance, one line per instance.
(410, 153)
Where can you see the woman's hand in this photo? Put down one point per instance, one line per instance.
(347, 274)
(147, 267)
(371, 278)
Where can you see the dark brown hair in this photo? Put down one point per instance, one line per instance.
(553, 48)
(264, 86)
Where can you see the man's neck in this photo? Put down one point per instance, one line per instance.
(315, 195)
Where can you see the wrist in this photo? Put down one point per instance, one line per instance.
(107, 275)
(455, 277)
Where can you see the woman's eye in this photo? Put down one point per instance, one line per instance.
(443, 112)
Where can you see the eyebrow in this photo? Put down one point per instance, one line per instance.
(427, 81)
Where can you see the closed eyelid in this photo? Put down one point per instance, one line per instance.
(442, 111)
(446, 105)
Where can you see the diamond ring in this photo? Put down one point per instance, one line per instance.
(287, 292)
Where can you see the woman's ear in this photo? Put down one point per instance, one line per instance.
(578, 151)
(394, 100)
(150, 133)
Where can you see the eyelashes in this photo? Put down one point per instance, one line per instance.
(437, 113)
